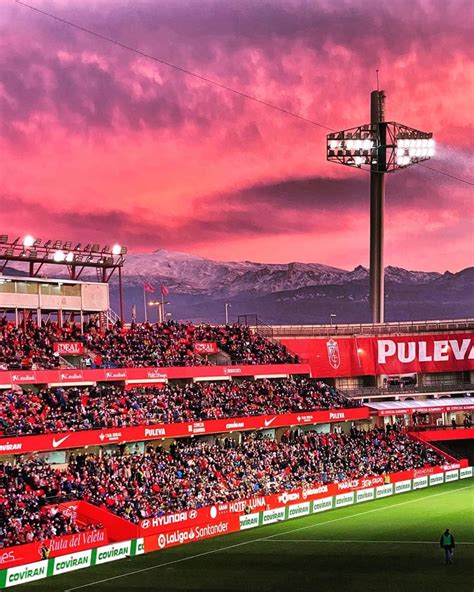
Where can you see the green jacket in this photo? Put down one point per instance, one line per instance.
(446, 540)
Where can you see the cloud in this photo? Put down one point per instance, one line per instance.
(99, 141)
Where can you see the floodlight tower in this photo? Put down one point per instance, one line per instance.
(379, 147)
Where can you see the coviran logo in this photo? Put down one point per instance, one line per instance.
(10, 446)
(234, 425)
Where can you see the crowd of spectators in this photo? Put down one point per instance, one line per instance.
(193, 473)
(57, 409)
(141, 345)
(28, 346)
(26, 512)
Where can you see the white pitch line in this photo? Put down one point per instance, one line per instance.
(145, 569)
(360, 541)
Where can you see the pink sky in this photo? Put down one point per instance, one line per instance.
(101, 144)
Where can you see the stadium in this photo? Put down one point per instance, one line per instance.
(166, 421)
(159, 444)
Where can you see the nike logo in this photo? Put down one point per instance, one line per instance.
(269, 421)
(57, 443)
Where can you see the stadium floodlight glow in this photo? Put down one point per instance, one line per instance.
(59, 256)
(116, 249)
(28, 241)
(379, 147)
(70, 257)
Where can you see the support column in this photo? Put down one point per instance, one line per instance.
(377, 204)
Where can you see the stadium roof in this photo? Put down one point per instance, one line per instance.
(423, 406)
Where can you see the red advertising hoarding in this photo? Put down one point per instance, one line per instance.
(64, 440)
(76, 375)
(71, 543)
(68, 348)
(391, 355)
(189, 520)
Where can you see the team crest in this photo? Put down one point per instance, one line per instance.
(334, 356)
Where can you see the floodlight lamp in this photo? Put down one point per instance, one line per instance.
(116, 249)
(67, 245)
(3, 238)
(95, 248)
(59, 256)
(77, 247)
(28, 241)
(70, 257)
(57, 244)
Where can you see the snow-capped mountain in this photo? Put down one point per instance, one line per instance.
(190, 274)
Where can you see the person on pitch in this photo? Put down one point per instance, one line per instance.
(446, 542)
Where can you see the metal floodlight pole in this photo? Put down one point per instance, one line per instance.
(379, 147)
(377, 206)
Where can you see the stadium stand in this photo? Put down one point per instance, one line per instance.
(53, 410)
(142, 345)
(26, 513)
(194, 473)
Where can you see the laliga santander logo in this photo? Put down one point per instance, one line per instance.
(162, 541)
(334, 356)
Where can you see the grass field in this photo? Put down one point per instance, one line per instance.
(389, 545)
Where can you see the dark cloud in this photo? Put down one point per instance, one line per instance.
(294, 206)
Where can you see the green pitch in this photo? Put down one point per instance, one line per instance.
(389, 545)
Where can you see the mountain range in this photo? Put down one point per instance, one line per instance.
(287, 293)
(290, 292)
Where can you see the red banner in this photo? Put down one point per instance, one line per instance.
(23, 444)
(70, 543)
(205, 348)
(68, 348)
(391, 355)
(65, 375)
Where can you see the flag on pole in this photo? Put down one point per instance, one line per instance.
(147, 287)
(164, 290)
